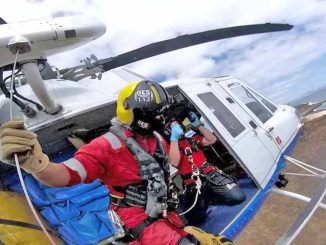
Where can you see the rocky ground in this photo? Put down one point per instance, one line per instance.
(278, 212)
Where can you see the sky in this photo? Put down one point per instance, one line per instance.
(282, 65)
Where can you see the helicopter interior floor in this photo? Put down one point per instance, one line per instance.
(218, 217)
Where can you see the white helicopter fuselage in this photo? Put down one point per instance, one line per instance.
(254, 131)
(253, 128)
(256, 136)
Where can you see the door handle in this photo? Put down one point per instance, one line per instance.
(270, 129)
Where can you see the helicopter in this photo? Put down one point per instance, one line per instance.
(255, 135)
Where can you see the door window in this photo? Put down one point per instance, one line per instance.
(223, 114)
(252, 103)
(268, 104)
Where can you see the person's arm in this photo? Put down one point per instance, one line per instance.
(15, 139)
(174, 154)
(54, 175)
(209, 137)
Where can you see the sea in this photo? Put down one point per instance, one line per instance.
(313, 98)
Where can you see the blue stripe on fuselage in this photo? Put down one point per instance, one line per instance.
(238, 225)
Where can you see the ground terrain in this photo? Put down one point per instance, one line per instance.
(278, 212)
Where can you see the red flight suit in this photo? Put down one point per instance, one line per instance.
(184, 168)
(118, 167)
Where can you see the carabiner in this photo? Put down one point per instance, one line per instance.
(188, 151)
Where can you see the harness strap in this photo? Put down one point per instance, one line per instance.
(118, 201)
(203, 167)
(147, 164)
(113, 139)
(136, 232)
(188, 153)
(201, 170)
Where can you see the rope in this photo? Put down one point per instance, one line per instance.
(196, 178)
(193, 205)
(17, 161)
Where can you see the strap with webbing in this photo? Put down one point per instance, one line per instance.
(147, 164)
(136, 232)
(150, 171)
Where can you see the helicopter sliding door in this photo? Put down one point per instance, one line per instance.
(233, 127)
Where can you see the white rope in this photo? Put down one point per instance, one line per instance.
(18, 165)
(198, 186)
(193, 205)
(30, 202)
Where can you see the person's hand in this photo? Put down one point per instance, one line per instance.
(15, 139)
(194, 119)
(205, 238)
(176, 131)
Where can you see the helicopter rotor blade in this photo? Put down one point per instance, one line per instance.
(2, 21)
(169, 45)
(187, 41)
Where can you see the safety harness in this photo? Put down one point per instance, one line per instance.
(201, 171)
(151, 193)
(217, 178)
(195, 176)
(194, 146)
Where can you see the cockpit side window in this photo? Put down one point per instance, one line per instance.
(222, 113)
(252, 103)
(268, 104)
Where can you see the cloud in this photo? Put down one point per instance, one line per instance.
(273, 63)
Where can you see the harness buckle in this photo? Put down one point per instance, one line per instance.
(195, 174)
(188, 151)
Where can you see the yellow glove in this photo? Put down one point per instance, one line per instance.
(15, 139)
(205, 238)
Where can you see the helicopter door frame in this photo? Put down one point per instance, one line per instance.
(209, 102)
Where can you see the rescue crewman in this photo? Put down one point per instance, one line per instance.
(130, 159)
(187, 156)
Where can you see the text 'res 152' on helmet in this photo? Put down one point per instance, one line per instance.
(138, 104)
